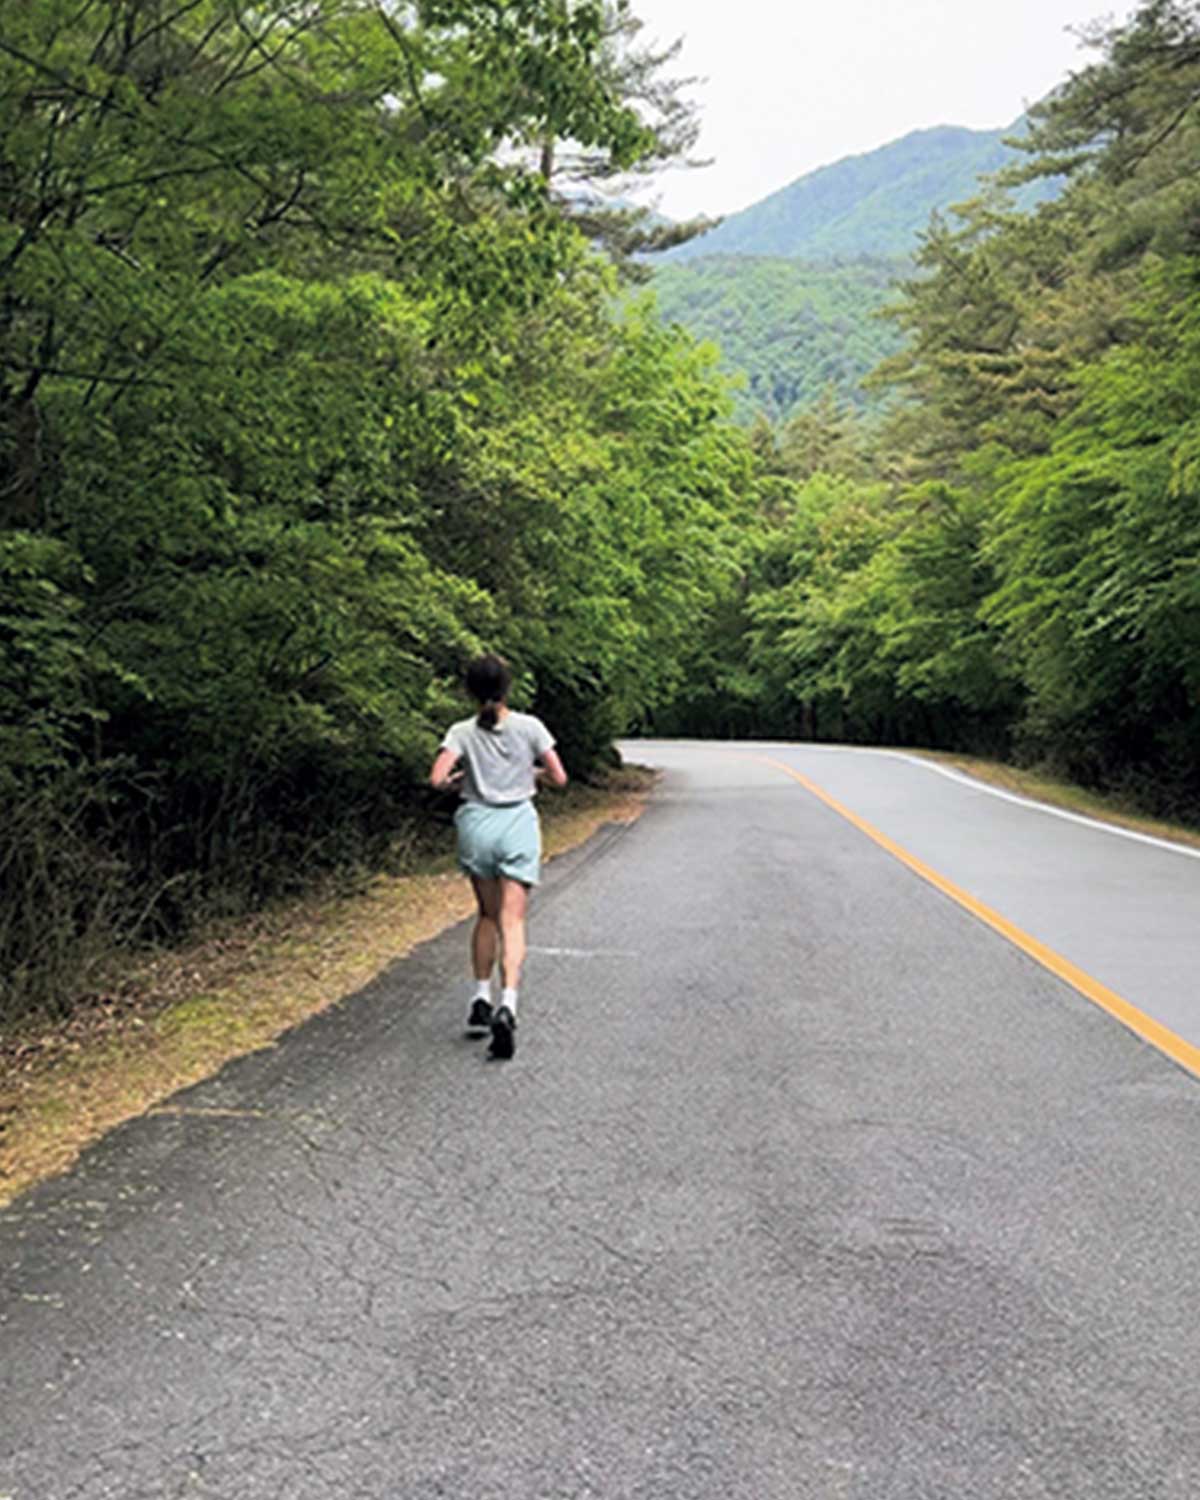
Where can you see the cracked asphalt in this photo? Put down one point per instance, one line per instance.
(803, 1184)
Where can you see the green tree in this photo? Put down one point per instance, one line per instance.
(294, 414)
(1096, 546)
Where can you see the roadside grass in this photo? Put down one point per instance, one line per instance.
(168, 1019)
(1042, 786)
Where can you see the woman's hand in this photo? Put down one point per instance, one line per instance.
(552, 767)
(446, 773)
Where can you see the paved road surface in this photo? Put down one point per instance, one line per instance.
(1124, 908)
(804, 1183)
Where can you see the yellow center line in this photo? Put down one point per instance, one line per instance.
(1137, 1021)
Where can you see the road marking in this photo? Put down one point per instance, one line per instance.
(1044, 807)
(1142, 1025)
(1033, 804)
(206, 1112)
(584, 952)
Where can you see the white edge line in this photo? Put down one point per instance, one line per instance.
(970, 781)
(573, 953)
(1035, 806)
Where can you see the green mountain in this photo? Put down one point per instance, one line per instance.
(876, 204)
(790, 289)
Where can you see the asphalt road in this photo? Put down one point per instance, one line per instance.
(804, 1183)
(1124, 908)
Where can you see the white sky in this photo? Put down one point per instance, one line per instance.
(791, 85)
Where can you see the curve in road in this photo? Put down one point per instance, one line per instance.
(1145, 1026)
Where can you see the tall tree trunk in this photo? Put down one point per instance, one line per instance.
(20, 462)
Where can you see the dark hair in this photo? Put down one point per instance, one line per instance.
(488, 681)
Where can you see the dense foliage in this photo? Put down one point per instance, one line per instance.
(307, 392)
(792, 331)
(1013, 562)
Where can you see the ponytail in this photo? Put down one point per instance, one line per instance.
(488, 681)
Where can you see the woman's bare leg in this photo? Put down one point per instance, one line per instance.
(514, 900)
(485, 940)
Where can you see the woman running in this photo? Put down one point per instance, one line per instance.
(497, 759)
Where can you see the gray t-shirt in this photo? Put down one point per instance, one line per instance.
(498, 763)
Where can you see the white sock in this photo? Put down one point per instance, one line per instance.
(483, 990)
(509, 997)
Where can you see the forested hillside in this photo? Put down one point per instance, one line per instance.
(877, 204)
(792, 331)
(1013, 563)
(791, 287)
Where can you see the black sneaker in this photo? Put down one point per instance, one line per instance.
(504, 1033)
(479, 1018)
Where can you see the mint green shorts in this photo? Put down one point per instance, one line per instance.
(504, 839)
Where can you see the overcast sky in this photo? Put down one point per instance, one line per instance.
(791, 85)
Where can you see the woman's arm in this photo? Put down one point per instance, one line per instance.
(443, 774)
(552, 768)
